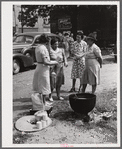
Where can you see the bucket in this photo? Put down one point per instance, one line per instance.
(82, 102)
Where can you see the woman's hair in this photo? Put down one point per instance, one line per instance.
(54, 40)
(43, 38)
(66, 34)
(80, 34)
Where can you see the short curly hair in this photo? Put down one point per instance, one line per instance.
(54, 40)
(80, 33)
(43, 38)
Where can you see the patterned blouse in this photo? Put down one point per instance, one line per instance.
(78, 48)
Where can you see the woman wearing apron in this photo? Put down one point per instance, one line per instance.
(93, 63)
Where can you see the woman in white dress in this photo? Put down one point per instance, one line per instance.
(41, 80)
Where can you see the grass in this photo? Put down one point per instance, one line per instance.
(104, 102)
(63, 112)
(20, 137)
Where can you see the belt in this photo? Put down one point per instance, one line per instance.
(40, 62)
(90, 58)
(61, 62)
(43, 63)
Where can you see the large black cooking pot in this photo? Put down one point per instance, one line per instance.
(82, 102)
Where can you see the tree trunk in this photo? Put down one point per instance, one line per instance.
(74, 21)
(21, 28)
(21, 19)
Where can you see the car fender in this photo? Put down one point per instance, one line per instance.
(25, 60)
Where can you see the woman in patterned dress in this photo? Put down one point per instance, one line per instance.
(93, 62)
(58, 80)
(78, 51)
(41, 79)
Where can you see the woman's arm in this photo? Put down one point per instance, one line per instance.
(48, 62)
(98, 55)
(65, 59)
(100, 61)
(79, 56)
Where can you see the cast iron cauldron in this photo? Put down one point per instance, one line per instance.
(82, 102)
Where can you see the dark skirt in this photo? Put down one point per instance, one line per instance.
(57, 81)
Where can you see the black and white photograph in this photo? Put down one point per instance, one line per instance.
(61, 74)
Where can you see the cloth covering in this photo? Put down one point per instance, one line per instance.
(92, 67)
(41, 80)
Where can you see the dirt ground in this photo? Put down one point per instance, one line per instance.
(63, 129)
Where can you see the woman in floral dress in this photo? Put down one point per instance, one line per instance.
(78, 51)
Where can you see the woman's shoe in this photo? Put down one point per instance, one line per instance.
(61, 98)
(49, 111)
(51, 99)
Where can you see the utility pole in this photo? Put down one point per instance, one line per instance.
(21, 19)
(14, 17)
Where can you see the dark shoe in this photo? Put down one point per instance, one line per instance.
(72, 90)
(49, 111)
(32, 112)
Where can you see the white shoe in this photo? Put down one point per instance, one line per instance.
(51, 99)
(61, 98)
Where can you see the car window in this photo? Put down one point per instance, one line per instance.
(24, 39)
(37, 40)
(28, 39)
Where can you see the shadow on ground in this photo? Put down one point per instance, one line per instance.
(27, 69)
(108, 60)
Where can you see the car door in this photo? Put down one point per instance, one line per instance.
(35, 44)
(30, 51)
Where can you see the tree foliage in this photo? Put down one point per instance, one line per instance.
(29, 13)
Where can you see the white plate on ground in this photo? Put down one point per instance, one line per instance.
(23, 124)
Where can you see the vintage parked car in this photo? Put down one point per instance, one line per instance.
(24, 49)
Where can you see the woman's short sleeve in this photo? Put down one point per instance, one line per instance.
(44, 52)
(84, 47)
(97, 51)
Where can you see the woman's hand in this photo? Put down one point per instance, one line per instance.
(55, 63)
(66, 64)
(100, 61)
(79, 56)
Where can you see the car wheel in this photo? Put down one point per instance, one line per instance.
(16, 66)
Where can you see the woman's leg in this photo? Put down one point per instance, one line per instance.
(80, 86)
(84, 88)
(94, 88)
(44, 99)
(58, 91)
(73, 85)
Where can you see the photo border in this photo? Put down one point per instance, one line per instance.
(8, 64)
